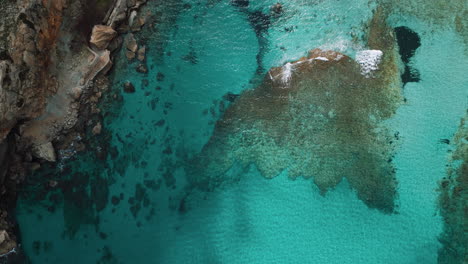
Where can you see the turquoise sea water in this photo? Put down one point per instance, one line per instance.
(131, 208)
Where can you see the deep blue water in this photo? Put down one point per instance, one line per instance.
(132, 207)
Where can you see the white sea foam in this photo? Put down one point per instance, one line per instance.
(339, 44)
(286, 73)
(321, 58)
(369, 61)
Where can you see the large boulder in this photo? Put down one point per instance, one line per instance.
(101, 36)
(45, 151)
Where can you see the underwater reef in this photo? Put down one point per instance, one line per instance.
(453, 201)
(321, 118)
(328, 117)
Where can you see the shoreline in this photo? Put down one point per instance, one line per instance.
(75, 74)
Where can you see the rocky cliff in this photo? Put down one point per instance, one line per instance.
(54, 55)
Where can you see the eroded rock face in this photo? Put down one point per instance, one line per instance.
(453, 202)
(319, 117)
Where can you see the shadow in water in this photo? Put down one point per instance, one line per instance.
(408, 42)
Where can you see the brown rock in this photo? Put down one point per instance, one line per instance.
(130, 54)
(141, 53)
(76, 92)
(137, 24)
(102, 36)
(132, 44)
(97, 129)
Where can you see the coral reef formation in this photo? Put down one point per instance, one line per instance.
(453, 201)
(319, 117)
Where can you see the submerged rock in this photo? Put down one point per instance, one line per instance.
(277, 9)
(132, 47)
(141, 68)
(318, 117)
(240, 3)
(141, 53)
(130, 54)
(132, 44)
(128, 87)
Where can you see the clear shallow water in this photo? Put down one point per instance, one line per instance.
(254, 220)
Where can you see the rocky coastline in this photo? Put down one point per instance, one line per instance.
(54, 57)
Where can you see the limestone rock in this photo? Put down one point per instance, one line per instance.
(102, 36)
(45, 151)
